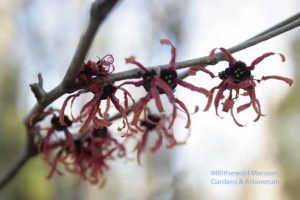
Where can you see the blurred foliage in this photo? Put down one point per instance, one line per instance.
(31, 182)
(286, 127)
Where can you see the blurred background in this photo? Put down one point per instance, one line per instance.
(41, 36)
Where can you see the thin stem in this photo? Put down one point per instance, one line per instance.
(279, 25)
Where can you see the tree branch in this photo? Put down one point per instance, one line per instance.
(279, 25)
(98, 13)
(136, 73)
(37, 88)
(203, 61)
(99, 10)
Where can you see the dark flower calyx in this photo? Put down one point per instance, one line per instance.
(151, 123)
(59, 127)
(238, 72)
(108, 90)
(148, 77)
(169, 76)
(87, 71)
(101, 132)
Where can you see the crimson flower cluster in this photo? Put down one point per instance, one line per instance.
(87, 155)
(237, 78)
(83, 144)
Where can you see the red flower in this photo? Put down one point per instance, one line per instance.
(156, 124)
(47, 144)
(94, 149)
(237, 78)
(163, 82)
(91, 111)
(93, 69)
(86, 156)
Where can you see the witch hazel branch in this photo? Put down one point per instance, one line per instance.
(89, 154)
(86, 143)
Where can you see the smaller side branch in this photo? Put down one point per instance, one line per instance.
(37, 88)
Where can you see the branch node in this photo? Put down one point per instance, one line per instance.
(37, 88)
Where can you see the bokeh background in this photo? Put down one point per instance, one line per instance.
(41, 36)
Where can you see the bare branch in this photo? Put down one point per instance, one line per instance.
(100, 9)
(203, 61)
(136, 73)
(37, 88)
(279, 25)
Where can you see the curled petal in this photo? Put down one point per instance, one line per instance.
(62, 110)
(122, 111)
(86, 124)
(234, 119)
(159, 140)
(139, 108)
(228, 104)
(218, 98)
(135, 83)
(192, 87)
(132, 60)
(94, 102)
(210, 99)
(259, 107)
(182, 105)
(141, 146)
(255, 103)
(126, 95)
(155, 95)
(107, 61)
(262, 57)
(287, 80)
(196, 110)
(244, 85)
(173, 52)
(105, 115)
(193, 70)
(100, 123)
(227, 54)
(243, 107)
(165, 87)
